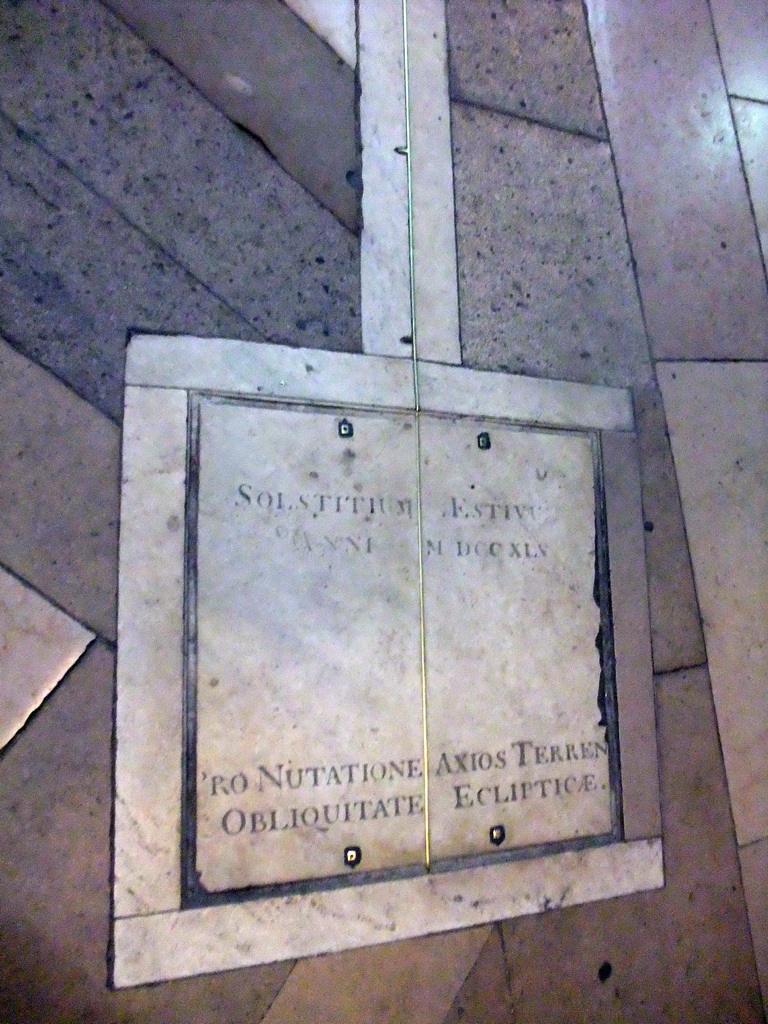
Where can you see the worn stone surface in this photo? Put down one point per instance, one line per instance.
(322, 671)
(384, 259)
(75, 275)
(436, 296)
(334, 21)
(754, 873)
(682, 953)
(682, 185)
(59, 492)
(752, 126)
(149, 667)
(401, 983)
(742, 36)
(719, 430)
(545, 275)
(133, 128)
(485, 996)
(676, 635)
(529, 59)
(55, 786)
(266, 69)
(633, 660)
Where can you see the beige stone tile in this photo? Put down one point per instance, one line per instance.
(686, 203)
(277, 371)
(754, 875)
(410, 982)
(742, 32)
(38, 646)
(529, 59)
(682, 953)
(58, 491)
(334, 21)
(545, 271)
(55, 797)
(149, 666)
(718, 420)
(752, 127)
(485, 998)
(676, 635)
(634, 669)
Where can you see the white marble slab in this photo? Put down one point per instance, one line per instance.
(385, 289)
(220, 938)
(718, 421)
(308, 696)
(279, 371)
(333, 21)
(511, 621)
(39, 644)
(267, 371)
(523, 399)
(149, 652)
(434, 224)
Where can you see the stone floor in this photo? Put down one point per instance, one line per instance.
(611, 203)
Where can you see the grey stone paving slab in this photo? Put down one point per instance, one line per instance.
(676, 635)
(545, 273)
(132, 127)
(59, 492)
(74, 276)
(528, 58)
(55, 797)
(681, 953)
(267, 70)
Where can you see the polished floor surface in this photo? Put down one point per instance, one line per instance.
(612, 219)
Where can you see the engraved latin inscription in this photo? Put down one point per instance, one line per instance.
(513, 671)
(309, 736)
(309, 726)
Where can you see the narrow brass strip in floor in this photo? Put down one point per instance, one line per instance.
(417, 411)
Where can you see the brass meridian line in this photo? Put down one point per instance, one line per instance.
(417, 411)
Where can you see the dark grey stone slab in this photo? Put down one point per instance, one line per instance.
(74, 276)
(531, 59)
(266, 69)
(546, 285)
(134, 129)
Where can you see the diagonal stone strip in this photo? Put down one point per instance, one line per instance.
(38, 646)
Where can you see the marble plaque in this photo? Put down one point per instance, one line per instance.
(307, 632)
(518, 746)
(304, 624)
(347, 715)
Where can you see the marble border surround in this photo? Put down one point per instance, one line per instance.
(153, 938)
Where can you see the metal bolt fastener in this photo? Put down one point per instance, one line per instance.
(498, 835)
(484, 441)
(352, 856)
(346, 429)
